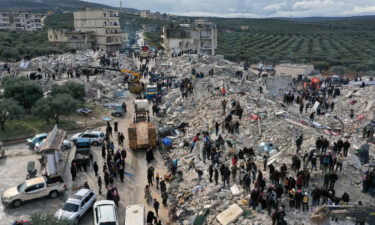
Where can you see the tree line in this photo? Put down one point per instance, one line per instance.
(24, 97)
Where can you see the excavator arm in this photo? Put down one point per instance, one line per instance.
(137, 76)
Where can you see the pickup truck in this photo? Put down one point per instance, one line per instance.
(32, 189)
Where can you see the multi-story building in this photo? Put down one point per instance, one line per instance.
(73, 39)
(106, 27)
(21, 21)
(201, 36)
(96, 28)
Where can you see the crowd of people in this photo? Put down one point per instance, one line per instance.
(289, 181)
(114, 169)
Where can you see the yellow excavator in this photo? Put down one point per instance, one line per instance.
(133, 81)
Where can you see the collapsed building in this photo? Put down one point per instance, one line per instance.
(266, 121)
(99, 29)
(200, 37)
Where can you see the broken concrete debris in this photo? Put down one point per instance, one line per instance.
(230, 215)
(267, 125)
(266, 122)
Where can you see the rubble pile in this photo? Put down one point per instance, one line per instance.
(99, 86)
(266, 119)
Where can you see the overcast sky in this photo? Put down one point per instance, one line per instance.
(252, 8)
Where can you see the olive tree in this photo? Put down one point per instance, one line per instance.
(52, 107)
(9, 109)
(74, 89)
(24, 91)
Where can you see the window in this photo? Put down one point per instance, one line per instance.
(69, 207)
(105, 14)
(88, 136)
(87, 199)
(34, 187)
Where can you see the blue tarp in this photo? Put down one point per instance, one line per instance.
(167, 142)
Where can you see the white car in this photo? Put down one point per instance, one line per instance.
(76, 206)
(96, 137)
(105, 213)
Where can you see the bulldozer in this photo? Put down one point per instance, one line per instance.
(133, 80)
(358, 213)
(142, 132)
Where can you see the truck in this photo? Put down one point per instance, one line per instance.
(151, 91)
(83, 150)
(142, 132)
(33, 189)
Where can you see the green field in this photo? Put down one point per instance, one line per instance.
(343, 44)
(15, 45)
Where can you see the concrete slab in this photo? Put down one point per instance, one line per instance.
(235, 190)
(230, 215)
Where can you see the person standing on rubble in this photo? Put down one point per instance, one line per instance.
(301, 106)
(299, 142)
(224, 105)
(265, 163)
(223, 91)
(211, 172)
(260, 90)
(346, 147)
(217, 126)
(332, 106)
(216, 176)
(237, 127)
(312, 117)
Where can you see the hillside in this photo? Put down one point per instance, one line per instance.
(44, 5)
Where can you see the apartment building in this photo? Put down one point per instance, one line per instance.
(201, 36)
(92, 29)
(21, 21)
(106, 27)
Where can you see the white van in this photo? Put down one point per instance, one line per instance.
(135, 215)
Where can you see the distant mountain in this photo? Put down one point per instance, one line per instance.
(45, 5)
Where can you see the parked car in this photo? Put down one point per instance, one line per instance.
(66, 145)
(95, 137)
(105, 213)
(33, 189)
(118, 112)
(36, 139)
(76, 206)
